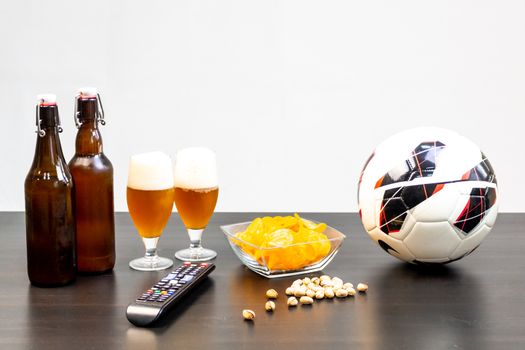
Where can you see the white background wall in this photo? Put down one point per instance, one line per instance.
(292, 95)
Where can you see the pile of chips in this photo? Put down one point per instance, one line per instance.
(284, 242)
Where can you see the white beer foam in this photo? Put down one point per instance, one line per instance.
(196, 168)
(150, 171)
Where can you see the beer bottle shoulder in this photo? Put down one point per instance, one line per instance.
(95, 164)
(54, 176)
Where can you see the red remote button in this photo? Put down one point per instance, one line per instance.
(204, 264)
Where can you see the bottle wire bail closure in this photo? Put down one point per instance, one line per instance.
(58, 123)
(100, 111)
(39, 130)
(76, 112)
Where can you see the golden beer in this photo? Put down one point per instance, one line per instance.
(196, 192)
(196, 206)
(150, 201)
(150, 210)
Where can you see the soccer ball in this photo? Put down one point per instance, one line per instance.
(428, 195)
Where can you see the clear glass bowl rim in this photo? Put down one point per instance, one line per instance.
(226, 229)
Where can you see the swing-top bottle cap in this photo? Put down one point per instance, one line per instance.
(87, 92)
(46, 99)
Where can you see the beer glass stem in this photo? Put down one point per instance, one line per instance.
(151, 248)
(195, 239)
(151, 261)
(196, 252)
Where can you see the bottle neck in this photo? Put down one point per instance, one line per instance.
(48, 152)
(89, 140)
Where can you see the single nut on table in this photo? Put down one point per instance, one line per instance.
(325, 277)
(299, 292)
(351, 292)
(289, 291)
(297, 283)
(311, 285)
(306, 300)
(292, 301)
(326, 283)
(341, 293)
(269, 306)
(319, 294)
(329, 293)
(348, 286)
(271, 293)
(310, 293)
(362, 287)
(316, 280)
(248, 314)
(319, 288)
(337, 282)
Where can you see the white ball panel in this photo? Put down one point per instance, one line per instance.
(492, 214)
(470, 242)
(432, 240)
(439, 207)
(367, 206)
(401, 252)
(377, 211)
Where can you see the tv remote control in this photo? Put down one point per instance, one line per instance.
(161, 297)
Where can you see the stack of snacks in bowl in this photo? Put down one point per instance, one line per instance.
(283, 245)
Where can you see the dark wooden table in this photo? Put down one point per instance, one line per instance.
(476, 303)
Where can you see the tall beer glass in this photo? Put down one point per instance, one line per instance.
(196, 192)
(150, 201)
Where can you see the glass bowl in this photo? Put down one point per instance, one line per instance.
(260, 266)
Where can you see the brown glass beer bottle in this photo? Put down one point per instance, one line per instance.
(93, 176)
(50, 221)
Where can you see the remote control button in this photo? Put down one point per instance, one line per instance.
(204, 264)
(187, 278)
(170, 276)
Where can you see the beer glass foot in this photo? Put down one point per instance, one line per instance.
(195, 254)
(151, 264)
